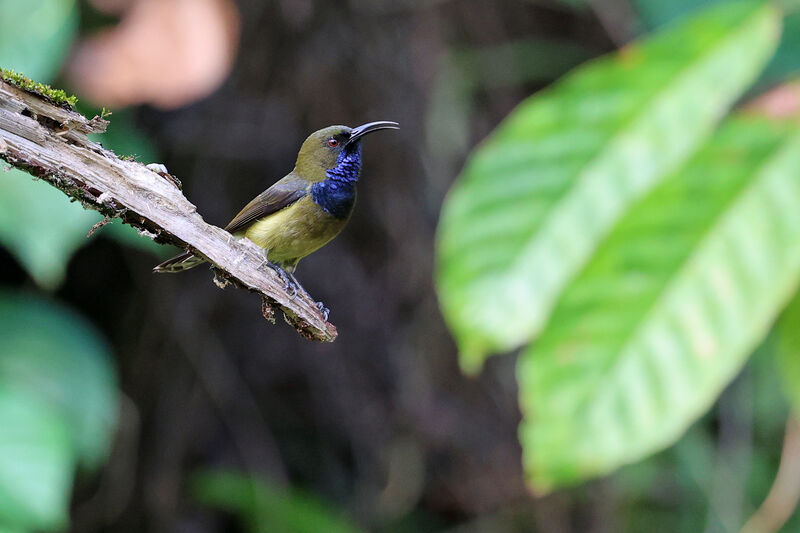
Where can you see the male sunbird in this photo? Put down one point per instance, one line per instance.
(306, 208)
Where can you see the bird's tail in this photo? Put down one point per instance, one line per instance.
(179, 263)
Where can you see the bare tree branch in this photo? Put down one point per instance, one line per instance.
(51, 143)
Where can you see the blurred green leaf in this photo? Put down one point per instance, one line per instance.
(57, 407)
(536, 198)
(36, 456)
(35, 35)
(788, 351)
(53, 353)
(40, 227)
(667, 311)
(265, 508)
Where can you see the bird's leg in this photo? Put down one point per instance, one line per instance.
(294, 280)
(288, 283)
(321, 306)
(322, 309)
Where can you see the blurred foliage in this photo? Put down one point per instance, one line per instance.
(36, 225)
(687, 284)
(647, 324)
(265, 508)
(603, 216)
(714, 476)
(35, 36)
(58, 405)
(534, 201)
(57, 408)
(39, 227)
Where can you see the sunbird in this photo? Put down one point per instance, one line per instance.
(305, 209)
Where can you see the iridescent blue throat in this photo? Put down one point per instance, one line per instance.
(337, 194)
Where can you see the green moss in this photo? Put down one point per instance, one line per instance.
(57, 96)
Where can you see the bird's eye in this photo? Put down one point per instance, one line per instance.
(333, 143)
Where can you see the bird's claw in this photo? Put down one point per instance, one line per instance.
(322, 309)
(291, 288)
(289, 285)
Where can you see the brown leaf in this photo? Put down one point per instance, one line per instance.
(164, 52)
(781, 102)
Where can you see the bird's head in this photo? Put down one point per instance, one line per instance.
(335, 152)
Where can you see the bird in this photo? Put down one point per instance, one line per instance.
(305, 209)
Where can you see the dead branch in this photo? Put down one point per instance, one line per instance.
(51, 143)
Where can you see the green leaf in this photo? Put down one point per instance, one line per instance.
(35, 35)
(534, 201)
(689, 281)
(36, 457)
(265, 508)
(65, 363)
(40, 227)
(788, 351)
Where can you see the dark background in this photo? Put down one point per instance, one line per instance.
(381, 424)
(381, 421)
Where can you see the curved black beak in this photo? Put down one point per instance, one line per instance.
(369, 127)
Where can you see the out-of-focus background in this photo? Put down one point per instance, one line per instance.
(131, 402)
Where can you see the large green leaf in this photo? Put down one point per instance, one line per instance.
(40, 227)
(57, 408)
(536, 198)
(36, 468)
(265, 508)
(689, 281)
(35, 35)
(53, 353)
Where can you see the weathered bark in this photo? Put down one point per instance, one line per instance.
(51, 143)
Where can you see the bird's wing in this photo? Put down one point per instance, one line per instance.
(282, 194)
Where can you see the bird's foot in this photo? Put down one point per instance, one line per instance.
(322, 309)
(289, 284)
(296, 283)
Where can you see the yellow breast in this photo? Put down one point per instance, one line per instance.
(294, 232)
